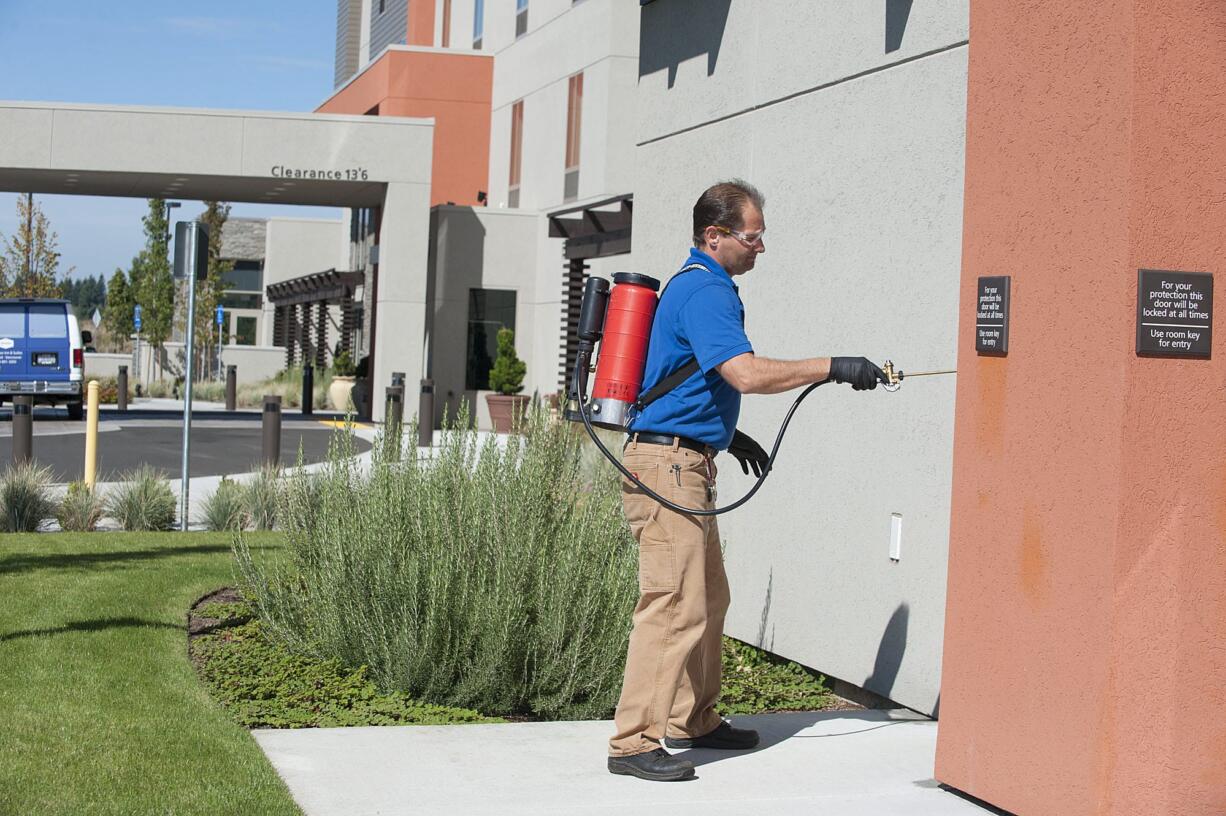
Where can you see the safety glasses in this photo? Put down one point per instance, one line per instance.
(749, 239)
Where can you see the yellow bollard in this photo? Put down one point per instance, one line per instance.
(91, 435)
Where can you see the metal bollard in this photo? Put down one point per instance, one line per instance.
(425, 415)
(23, 428)
(398, 378)
(308, 389)
(122, 399)
(272, 430)
(231, 387)
(393, 417)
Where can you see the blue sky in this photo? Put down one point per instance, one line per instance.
(256, 55)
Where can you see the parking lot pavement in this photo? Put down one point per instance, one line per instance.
(222, 442)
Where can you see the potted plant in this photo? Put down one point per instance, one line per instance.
(507, 379)
(341, 389)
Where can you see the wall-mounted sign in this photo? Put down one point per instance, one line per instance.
(1174, 313)
(992, 315)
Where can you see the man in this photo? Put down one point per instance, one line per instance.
(673, 667)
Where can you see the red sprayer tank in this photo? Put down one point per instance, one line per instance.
(623, 349)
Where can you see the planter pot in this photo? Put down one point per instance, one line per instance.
(506, 410)
(339, 393)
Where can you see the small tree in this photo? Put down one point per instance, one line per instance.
(507, 375)
(118, 312)
(30, 263)
(152, 284)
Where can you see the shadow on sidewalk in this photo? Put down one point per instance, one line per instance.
(776, 728)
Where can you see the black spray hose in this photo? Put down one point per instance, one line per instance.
(580, 389)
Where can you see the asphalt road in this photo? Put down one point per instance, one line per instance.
(219, 445)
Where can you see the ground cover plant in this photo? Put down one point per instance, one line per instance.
(102, 711)
(494, 578)
(264, 685)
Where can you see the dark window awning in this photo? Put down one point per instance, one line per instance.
(594, 230)
(331, 286)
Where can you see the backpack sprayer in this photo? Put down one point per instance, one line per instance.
(620, 320)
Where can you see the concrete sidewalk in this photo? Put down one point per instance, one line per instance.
(844, 763)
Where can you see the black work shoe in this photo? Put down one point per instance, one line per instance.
(724, 736)
(657, 765)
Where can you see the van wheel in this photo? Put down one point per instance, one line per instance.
(76, 411)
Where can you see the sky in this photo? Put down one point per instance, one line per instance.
(271, 55)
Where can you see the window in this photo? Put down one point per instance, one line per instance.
(47, 320)
(517, 151)
(521, 18)
(488, 311)
(381, 5)
(478, 23)
(574, 121)
(12, 321)
(246, 276)
(244, 331)
(242, 300)
(446, 23)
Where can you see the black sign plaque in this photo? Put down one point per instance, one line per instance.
(992, 315)
(1174, 313)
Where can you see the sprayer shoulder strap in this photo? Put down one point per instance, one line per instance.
(680, 375)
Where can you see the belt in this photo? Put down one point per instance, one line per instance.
(669, 439)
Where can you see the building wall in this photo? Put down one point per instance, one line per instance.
(598, 38)
(479, 248)
(453, 88)
(388, 25)
(1087, 584)
(302, 246)
(348, 40)
(853, 125)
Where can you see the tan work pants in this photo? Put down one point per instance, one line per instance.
(673, 666)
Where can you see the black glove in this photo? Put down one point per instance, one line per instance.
(859, 372)
(749, 453)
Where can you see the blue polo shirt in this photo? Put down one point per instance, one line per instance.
(701, 316)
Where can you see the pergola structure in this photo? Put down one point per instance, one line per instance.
(590, 232)
(298, 301)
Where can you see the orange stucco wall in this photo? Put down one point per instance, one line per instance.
(1085, 647)
(454, 89)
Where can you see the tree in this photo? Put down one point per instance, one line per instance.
(117, 313)
(507, 375)
(30, 265)
(211, 291)
(153, 286)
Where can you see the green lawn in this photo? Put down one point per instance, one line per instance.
(101, 712)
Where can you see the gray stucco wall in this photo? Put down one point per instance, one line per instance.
(851, 119)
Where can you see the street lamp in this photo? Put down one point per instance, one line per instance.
(169, 205)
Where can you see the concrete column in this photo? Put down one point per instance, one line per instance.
(399, 322)
(1087, 578)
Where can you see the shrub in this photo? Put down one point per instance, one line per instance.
(485, 577)
(24, 497)
(342, 365)
(507, 375)
(143, 501)
(224, 509)
(80, 510)
(259, 498)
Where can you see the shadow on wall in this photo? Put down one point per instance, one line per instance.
(889, 653)
(896, 14)
(671, 33)
(766, 612)
(457, 250)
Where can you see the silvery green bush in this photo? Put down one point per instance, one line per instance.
(223, 510)
(25, 499)
(500, 579)
(80, 510)
(143, 501)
